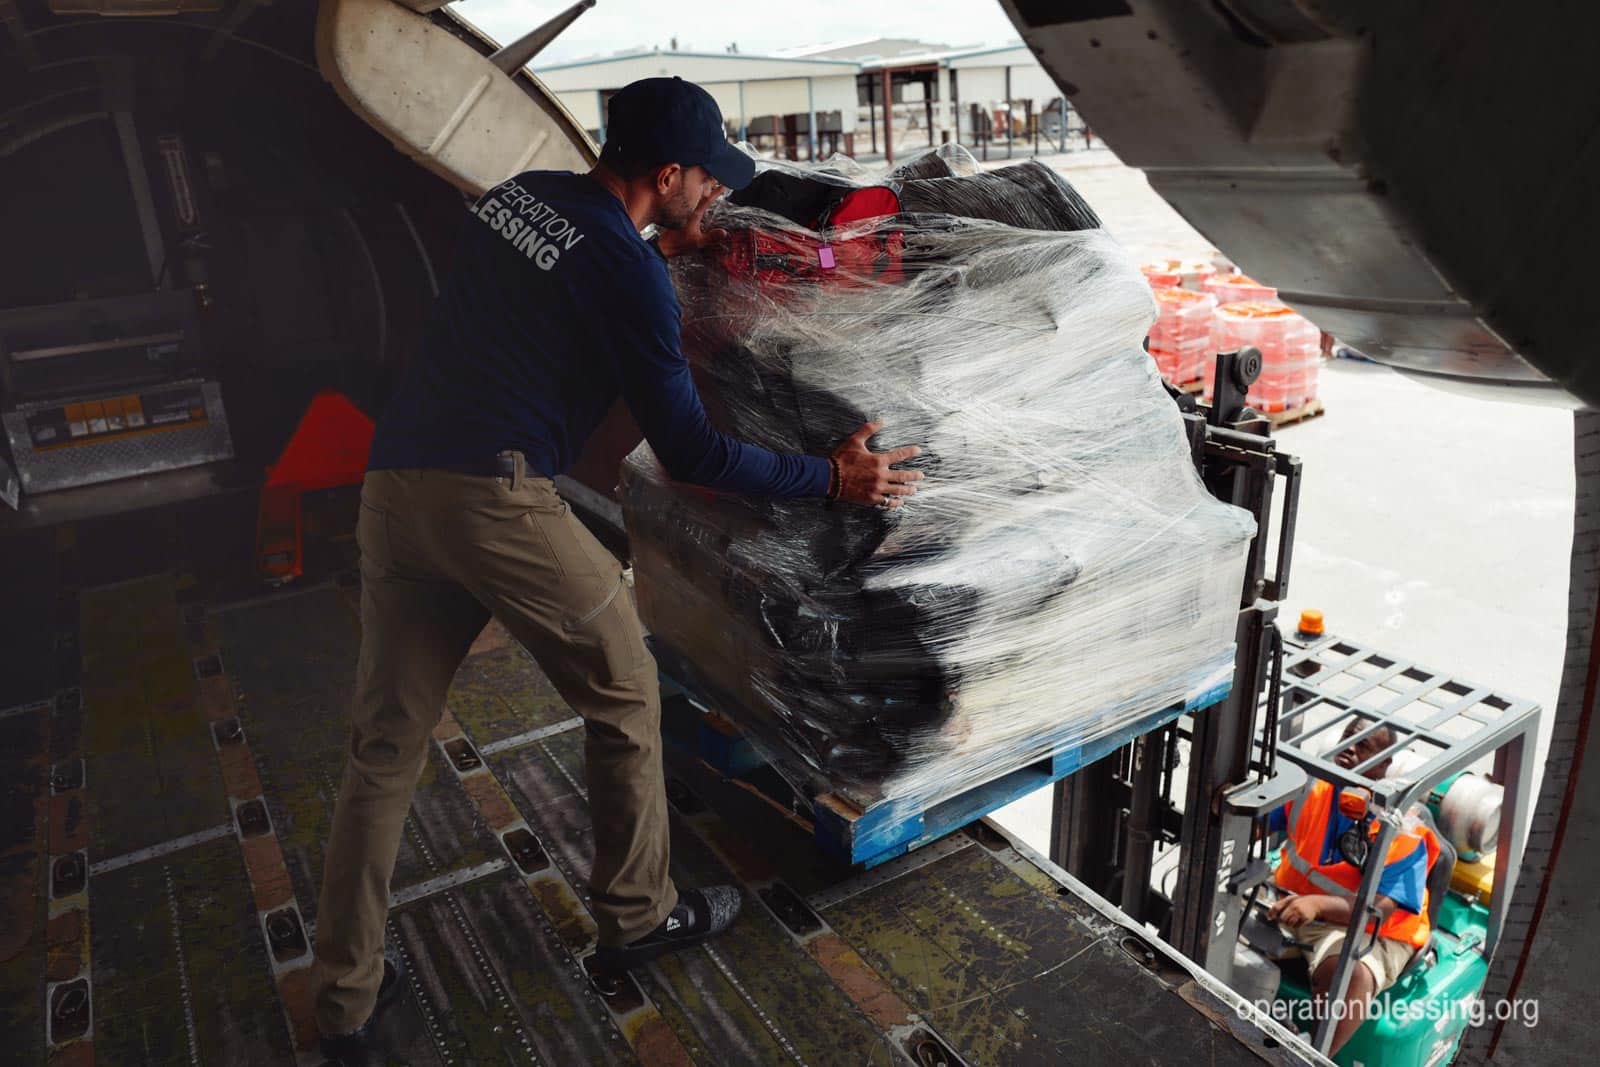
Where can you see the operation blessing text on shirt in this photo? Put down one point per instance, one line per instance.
(518, 216)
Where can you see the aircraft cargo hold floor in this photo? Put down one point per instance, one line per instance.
(170, 744)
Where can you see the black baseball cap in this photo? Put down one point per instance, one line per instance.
(668, 120)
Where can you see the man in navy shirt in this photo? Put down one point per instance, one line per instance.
(555, 308)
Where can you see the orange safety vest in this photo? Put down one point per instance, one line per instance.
(1301, 871)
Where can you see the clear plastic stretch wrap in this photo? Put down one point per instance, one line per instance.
(1062, 571)
(1237, 288)
(1178, 273)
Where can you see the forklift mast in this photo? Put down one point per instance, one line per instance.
(1109, 819)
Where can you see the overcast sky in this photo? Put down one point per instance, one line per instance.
(710, 25)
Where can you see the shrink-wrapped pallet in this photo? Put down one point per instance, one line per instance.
(1172, 273)
(1062, 572)
(1237, 289)
(1291, 352)
(1162, 274)
(1180, 339)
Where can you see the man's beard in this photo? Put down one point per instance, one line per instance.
(674, 214)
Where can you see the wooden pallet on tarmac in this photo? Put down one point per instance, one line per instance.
(1279, 419)
(1291, 416)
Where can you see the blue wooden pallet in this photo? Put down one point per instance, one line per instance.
(890, 829)
(882, 831)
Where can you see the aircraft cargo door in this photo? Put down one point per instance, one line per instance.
(417, 80)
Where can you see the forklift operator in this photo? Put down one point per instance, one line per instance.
(555, 307)
(1318, 884)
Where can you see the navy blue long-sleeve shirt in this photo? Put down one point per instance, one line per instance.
(554, 307)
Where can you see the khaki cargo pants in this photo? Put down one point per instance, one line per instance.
(440, 553)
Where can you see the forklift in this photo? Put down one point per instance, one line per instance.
(1446, 734)
(1116, 823)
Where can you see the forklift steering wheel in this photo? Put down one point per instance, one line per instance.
(1289, 940)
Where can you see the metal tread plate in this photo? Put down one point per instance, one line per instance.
(84, 457)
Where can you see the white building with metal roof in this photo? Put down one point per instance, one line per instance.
(755, 92)
(980, 96)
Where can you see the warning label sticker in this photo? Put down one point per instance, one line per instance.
(92, 421)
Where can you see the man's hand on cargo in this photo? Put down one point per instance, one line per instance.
(692, 236)
(868, 477)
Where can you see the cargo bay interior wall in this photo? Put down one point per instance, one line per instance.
(210, 179)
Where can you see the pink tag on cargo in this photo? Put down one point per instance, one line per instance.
(825, 257)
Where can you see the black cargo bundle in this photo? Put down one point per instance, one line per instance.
(908, 653)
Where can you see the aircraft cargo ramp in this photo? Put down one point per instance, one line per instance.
(170, 744)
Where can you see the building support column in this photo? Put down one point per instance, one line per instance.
(1011, 129)
(944, 105)
(811, 117)
(872, 111)
(888, 116)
